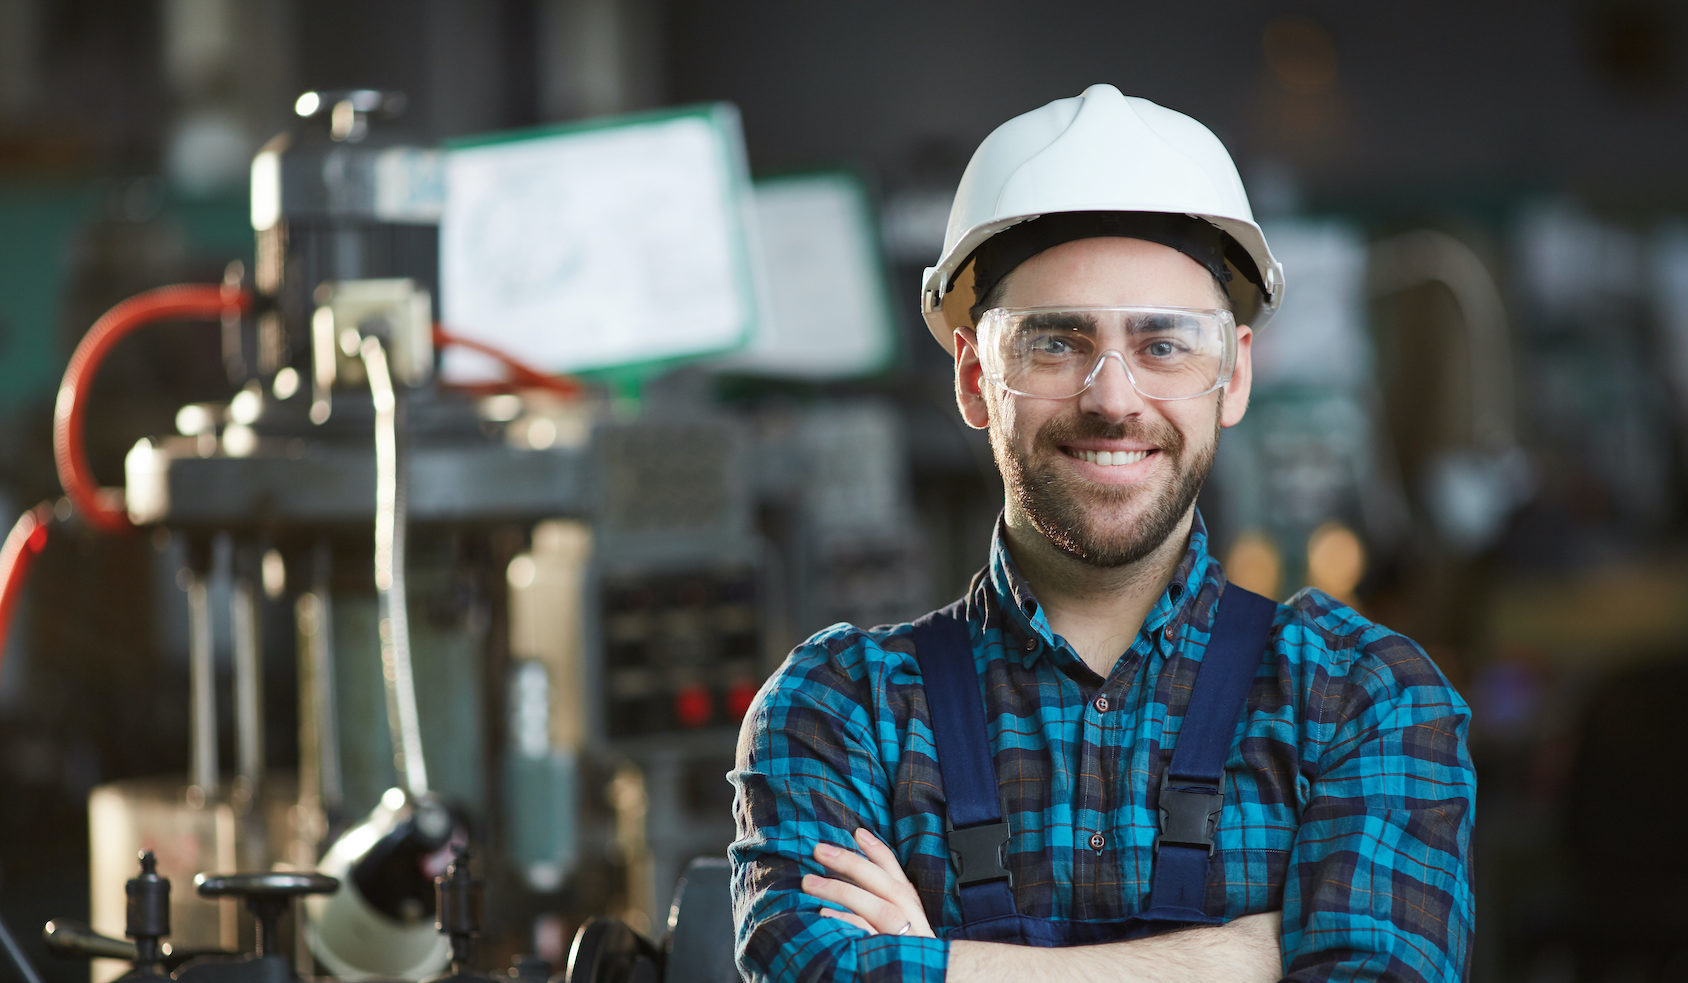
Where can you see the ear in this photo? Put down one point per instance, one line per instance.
(1242, 379)
(969, 380)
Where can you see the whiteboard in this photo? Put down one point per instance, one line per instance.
(609, 243)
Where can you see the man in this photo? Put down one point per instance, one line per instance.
(1105, 762)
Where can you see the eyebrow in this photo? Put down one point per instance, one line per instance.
(1157, 323)
(1061, 321)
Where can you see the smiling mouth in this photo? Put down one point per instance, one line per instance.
(1109, 459)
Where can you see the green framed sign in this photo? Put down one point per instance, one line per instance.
(607, 244)
(826, 309)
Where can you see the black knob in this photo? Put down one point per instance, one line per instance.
(147, 915)
(458, 903)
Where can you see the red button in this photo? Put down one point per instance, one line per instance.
(1171, 632)
(740, 697)
(693, 706)
(1098, 841)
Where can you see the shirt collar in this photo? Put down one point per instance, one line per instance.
(1009, 602)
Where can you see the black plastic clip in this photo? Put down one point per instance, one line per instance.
(1189, 814)
(979, 852)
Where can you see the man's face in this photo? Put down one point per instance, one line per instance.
(1050, 450)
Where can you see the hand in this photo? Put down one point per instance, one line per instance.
(871, 886)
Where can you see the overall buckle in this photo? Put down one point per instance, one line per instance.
(1189, 814)
(978, 852)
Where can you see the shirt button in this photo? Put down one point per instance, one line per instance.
(1171, 633)
(1101, 704)
(1098, 841)
(1031, 644)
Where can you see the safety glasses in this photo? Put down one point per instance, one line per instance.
(1058, 352)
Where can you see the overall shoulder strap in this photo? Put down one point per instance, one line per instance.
(977, 834)
(1192, 788)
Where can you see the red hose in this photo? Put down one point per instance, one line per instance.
(521, 373)
(101, 508)
(26, 540)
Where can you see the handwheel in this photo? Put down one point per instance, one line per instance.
(267, 895)
(272, 884)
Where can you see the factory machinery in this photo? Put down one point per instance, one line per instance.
(526, 625)
(696, 949)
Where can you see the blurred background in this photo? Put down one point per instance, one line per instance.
(1470, 417)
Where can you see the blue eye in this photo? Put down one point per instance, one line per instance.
(1163, 348)
(1049, 345)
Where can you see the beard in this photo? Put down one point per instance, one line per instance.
(1069, 515)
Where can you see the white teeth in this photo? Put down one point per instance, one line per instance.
(1111, 459)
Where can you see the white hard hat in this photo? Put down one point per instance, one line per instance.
(1098, 152)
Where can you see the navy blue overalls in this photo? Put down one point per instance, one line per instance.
(1191, 790)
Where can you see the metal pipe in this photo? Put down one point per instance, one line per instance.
(248, 683)
(306, 614)
(202, 685)
(319, 732)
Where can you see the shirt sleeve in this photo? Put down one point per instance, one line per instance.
(809, 771)
(1379, 885)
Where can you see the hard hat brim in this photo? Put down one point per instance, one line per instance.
(947, 294)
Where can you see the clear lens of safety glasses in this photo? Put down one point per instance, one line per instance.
(1057, 352)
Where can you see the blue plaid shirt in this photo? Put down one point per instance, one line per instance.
(1348, 803)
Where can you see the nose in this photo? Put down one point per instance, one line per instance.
(1109, 393)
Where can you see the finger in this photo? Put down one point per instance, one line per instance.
(845, 916)
(882, 915)
(880, 853)
(886, 859)
(852, 897)
(893, 904)
(885, 879)
(852, 866)
(917, 929)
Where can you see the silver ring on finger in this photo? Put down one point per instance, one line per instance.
(905, 928)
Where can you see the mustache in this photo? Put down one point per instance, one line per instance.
(1063, 430)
